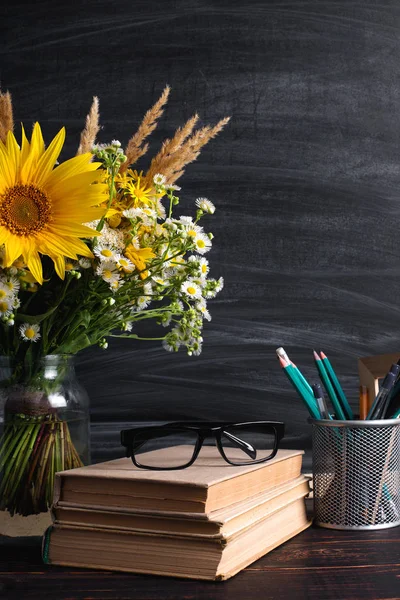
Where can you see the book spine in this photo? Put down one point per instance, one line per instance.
(57, 488)
(46, 544)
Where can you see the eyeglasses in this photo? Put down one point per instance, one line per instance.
(177, 445)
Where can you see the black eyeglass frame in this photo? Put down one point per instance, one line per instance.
(203, 430)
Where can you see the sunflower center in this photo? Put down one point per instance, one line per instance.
(24, 209)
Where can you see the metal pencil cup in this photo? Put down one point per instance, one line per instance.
(356, 473)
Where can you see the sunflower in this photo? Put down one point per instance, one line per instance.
(42, 208)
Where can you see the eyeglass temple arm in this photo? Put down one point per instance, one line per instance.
(247, 448)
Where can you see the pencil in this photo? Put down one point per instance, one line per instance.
(363, 402)
(336, 384)
(308, 400)
(282, 354)
(329, 388)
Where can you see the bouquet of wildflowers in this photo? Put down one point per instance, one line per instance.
(88, 248)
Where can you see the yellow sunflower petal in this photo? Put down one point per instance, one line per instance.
(36, 149)
(35, 266)
(46, 163)
(59, 265)
(72, 167)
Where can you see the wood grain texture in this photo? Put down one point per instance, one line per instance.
(317, 564)
(305, 179)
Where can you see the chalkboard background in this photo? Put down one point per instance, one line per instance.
(305, 179)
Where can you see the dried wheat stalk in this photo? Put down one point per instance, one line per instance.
(88, 135)
(6, 115)
(136, 147)
(172, 165)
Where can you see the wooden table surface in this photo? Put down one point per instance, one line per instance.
(319, 563)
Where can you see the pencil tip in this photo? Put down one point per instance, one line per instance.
(322, 354)
(316, 355)
(283, 362)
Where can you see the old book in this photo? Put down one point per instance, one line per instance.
(173, 555)
(219, 523)
(209, 484)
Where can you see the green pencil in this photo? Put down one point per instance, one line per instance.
(329, 388)
(294, 379)
(336, 384)
(282, 354)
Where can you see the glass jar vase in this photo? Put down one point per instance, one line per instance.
(44, 428)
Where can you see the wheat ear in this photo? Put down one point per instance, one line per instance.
(6, 115)
(88, 135)
(136, 147)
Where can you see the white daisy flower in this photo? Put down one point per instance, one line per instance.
(125, 264)
(131, 213)
(16, 303)
(220, 284)
(105, 252)
(6, 306)
(13, 285)
(159, 179)
(185, 220)
(85, 263)
(5, 291)
(115, 284)
(205, 205)
(160, 209)
(173, 187)
(191, 289)
(193, 231)
(148, 289)
(202, 243)
(204, 268)
(142, 302)
(127, 326)
(202, 308)
(29, 332)
(107, 270)
(159, 280)
(116, 143)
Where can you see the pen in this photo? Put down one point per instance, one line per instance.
(376, 408)
(329, 388)
(319, 397)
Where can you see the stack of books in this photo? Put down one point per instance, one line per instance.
(208, 521)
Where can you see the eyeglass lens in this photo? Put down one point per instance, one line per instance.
(248, 443)
(171, 449)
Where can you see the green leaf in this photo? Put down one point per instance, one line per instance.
(75, 345)
(35, 319)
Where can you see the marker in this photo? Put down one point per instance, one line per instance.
(319, 397)
(338, 388)
(375, 411)
(329, 388)
(282, 354)
(307, 398)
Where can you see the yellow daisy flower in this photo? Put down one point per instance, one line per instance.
(42, 208)
(139, 257)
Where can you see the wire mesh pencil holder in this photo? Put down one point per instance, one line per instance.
(356, 473)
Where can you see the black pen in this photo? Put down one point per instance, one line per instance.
(379, 403)
(319, 397)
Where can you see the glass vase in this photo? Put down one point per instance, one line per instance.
(44, 428)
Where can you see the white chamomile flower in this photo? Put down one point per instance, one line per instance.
(193, 231)
(116, 143)
(6, 306)
(204, 268)
(115, 284)
(142, 302)
(159, 179)
(13, 285)
(131, 213)
(202, 308)
(202, 243)
(29, 332)
(159, 280)
(160, 209)
(85, 263)
(191, 289)
(205, 205)
(107, 270)
(16, 303)
(220, 284)
(185, 220)
(172, 187)
(125, 264)
(147, 289)
(5, 291)
(105, 252)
